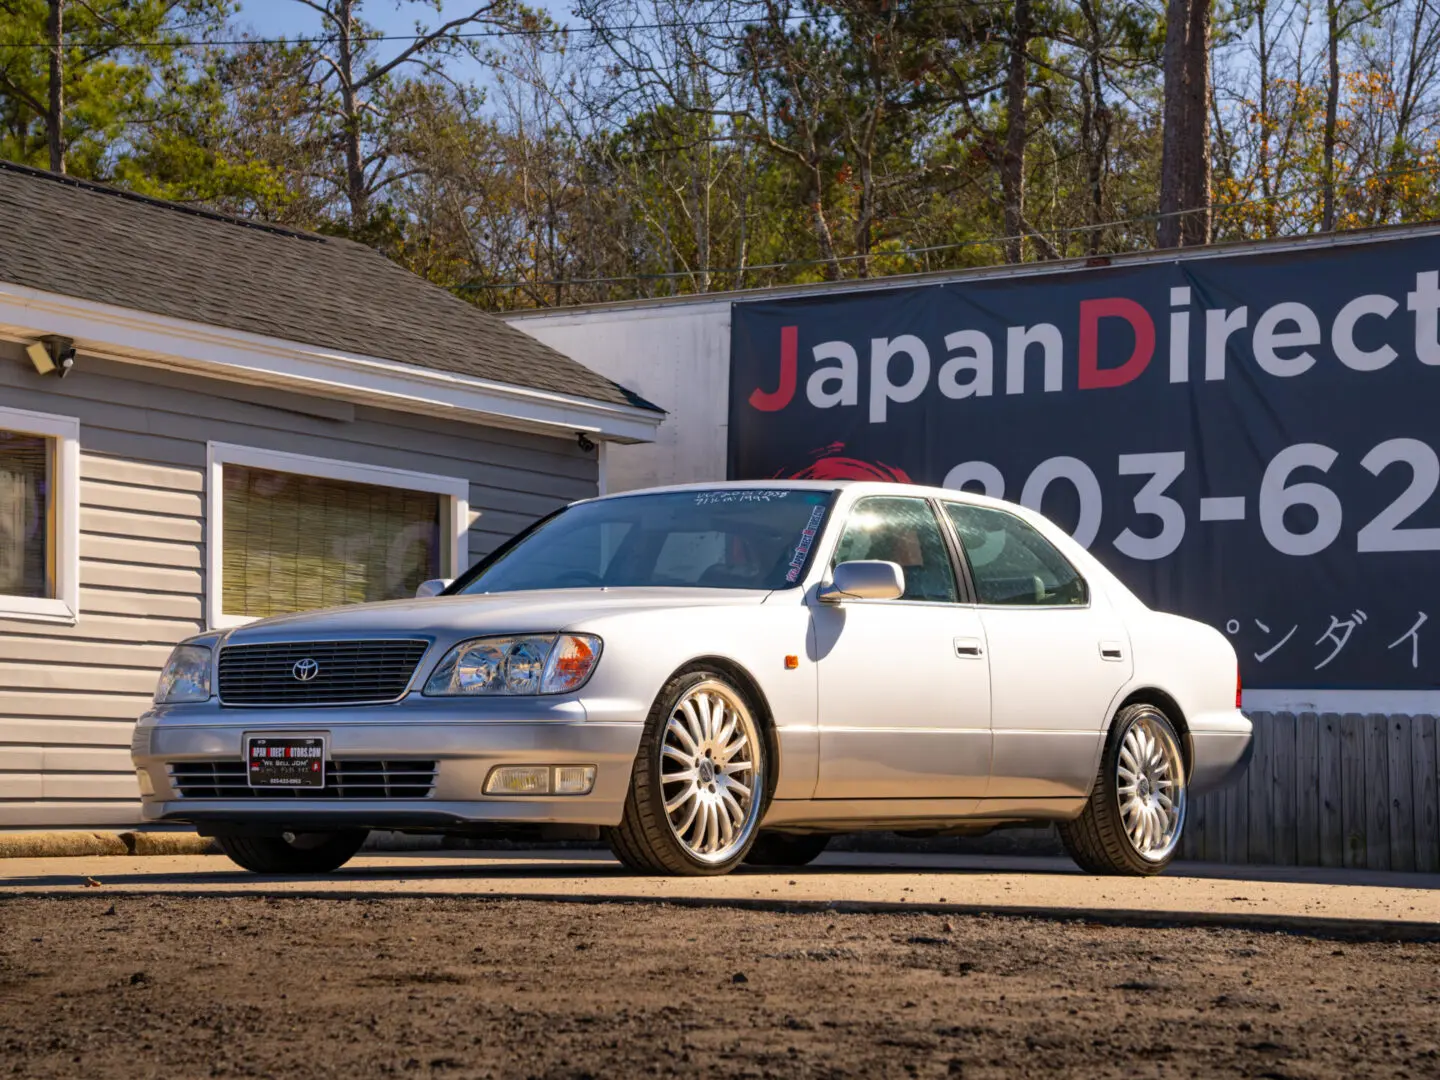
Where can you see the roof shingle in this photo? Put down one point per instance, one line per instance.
(98, 243)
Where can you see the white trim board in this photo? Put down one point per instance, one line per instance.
(64, 606)
(455, 557)
(1389, 702)
(130, 336)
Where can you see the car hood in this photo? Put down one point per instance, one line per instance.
(486, 613)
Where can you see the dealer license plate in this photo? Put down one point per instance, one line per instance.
(290, 761)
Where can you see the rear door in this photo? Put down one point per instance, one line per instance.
(1058, 655)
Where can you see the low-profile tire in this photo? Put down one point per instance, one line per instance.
(1135, 815)
(307, 853)
(786, 849)
(699, 786)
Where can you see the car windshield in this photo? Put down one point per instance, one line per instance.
(722, 538)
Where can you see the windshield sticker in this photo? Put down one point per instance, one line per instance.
(803, 548)
(740, 495)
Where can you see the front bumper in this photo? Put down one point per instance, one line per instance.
(464, 752)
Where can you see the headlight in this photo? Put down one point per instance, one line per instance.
(186, 676)
(517, 664)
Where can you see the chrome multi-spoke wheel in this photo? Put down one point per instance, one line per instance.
(698, 788)
(708, 764)
(1132, 822)
(1149, 776)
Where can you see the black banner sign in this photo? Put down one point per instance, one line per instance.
(1249, 440)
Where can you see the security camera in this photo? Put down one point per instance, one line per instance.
(64, 359)
(586, 443)
(49, 354)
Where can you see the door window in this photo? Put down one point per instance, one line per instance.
(904, 531)
(1013, 564)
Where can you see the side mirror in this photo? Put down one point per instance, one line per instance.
(864, 579)
(433, 587)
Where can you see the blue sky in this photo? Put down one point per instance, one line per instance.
(289, 18)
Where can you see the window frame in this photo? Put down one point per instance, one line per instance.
(456, 517)
(959, 569)
(64, 431)
(971, 585)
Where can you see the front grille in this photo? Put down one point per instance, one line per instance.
(346, 672)
(389, 779)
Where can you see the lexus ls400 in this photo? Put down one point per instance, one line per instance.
(708, 675)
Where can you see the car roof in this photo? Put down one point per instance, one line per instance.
(859, 487)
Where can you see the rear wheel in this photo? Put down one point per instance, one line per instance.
(786, 849)
(698, 788)
(1133, 820)
(294, 853)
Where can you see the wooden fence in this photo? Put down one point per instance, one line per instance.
(1326, 789)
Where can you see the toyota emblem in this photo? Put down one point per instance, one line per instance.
(305, 670)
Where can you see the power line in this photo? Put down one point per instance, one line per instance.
(507, 32)
(996, 241)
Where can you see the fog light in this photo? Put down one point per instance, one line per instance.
(146, 787)
(574, 779)
(519, 780)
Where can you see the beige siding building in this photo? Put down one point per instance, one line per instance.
(252, 421)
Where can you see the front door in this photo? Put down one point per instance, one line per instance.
(1058, 656)
(904, 684)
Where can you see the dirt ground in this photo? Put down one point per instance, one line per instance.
(102, 987)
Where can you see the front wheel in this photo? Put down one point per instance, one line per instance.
(294, 853)
(1133, 819)
(698, 788)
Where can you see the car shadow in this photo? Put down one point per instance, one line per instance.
(492, 865)
(435, 865)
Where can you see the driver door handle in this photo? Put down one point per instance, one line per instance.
(968, 648)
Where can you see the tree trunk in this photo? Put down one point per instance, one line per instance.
(1400, 141)
(865, 220)
(1096, 124)
(1196, 225)
(1267, 206)
(864, 151)
(355, 192)
(1185, 149)
(55, 111)
(1332, 108)
(1173, 127)
(1012, 167)
(822, 227)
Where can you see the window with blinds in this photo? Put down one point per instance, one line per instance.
(27, 564)
(292, 543)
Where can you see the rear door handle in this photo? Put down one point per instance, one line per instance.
(968, 648)
(1112, 650)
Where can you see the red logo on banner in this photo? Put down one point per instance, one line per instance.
(831, 464)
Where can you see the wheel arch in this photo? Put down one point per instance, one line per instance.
(1166, 703)
(764, 715)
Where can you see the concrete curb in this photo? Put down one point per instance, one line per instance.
(71, 842)
(43, 845)
(59, 843)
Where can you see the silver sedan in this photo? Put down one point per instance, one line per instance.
(707, 675)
